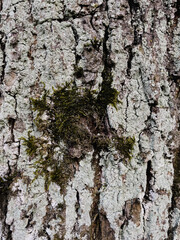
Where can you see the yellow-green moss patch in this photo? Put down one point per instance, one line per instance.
(76, 117)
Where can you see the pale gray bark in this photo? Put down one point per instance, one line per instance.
(107, 198)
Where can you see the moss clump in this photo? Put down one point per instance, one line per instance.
(40, 105)
(101, 142)
(125, 146)
(76, 117)
(61, 174)
(66, 113)
(31, 144)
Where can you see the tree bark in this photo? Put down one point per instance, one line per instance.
(106, 196)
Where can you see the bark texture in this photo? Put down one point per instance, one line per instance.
(55, 42)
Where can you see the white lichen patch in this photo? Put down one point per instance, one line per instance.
(136, 43)
(79, 198)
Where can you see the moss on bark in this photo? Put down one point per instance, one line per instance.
(76, 117)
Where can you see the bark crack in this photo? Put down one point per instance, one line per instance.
(100, 227)
(5, 193)
(136, 22)
(76, 37)
(11, 122)
(3, 39)
(149, 177)
(129, 62)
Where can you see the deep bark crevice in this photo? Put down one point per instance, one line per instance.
(95, 228)
(11, 122)
(3, 49)
(100, 227)
(134, 6)
(129, 48)
(136, 20)
(76, 37)
(149, 177)
(4, 200)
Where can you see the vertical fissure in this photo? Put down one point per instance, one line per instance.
(149, 177)
(5, 193)
(77, 210)
(95, 228)
(130, 58)
(3, 49)
(76, 37)
(136, 19)
(11, 122)
(98, 219)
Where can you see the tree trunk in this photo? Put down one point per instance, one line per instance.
(119, 179)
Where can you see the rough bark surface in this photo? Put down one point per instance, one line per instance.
(138, 41)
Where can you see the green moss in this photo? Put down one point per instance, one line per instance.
(76, 117)
(101, 142)
(68, 113)
(125, 146)
(68, 109)
(60, 175)
(40, 104)
(31, 144)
